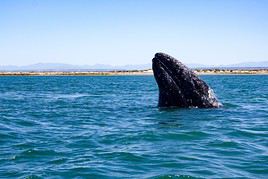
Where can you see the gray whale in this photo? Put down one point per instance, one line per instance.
(179, 86)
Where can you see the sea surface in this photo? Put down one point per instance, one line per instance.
(110, 127)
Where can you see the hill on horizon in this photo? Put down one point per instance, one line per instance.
(105, 67)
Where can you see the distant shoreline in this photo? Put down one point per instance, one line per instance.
(132, 72)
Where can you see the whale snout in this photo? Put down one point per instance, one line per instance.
(164, 59)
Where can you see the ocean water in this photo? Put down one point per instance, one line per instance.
(110, 127)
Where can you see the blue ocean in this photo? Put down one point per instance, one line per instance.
(111, 127)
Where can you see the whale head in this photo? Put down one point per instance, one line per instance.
(179, 86)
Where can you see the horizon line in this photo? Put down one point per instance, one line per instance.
(122, 65)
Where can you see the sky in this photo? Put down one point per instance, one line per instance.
(120, 32)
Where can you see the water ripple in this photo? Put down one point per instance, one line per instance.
(110, 127)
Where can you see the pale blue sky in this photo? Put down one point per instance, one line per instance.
(131, 31)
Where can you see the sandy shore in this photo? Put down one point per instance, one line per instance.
(132, 72)
(232, 72)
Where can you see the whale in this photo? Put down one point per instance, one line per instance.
(179, 86)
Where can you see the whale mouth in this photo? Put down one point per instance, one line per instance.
(167, 70)
(164, 75)
(169, 82)
(161, 70)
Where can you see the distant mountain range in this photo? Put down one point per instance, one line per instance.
(103, 67)
(249, 64)
(68, 67)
